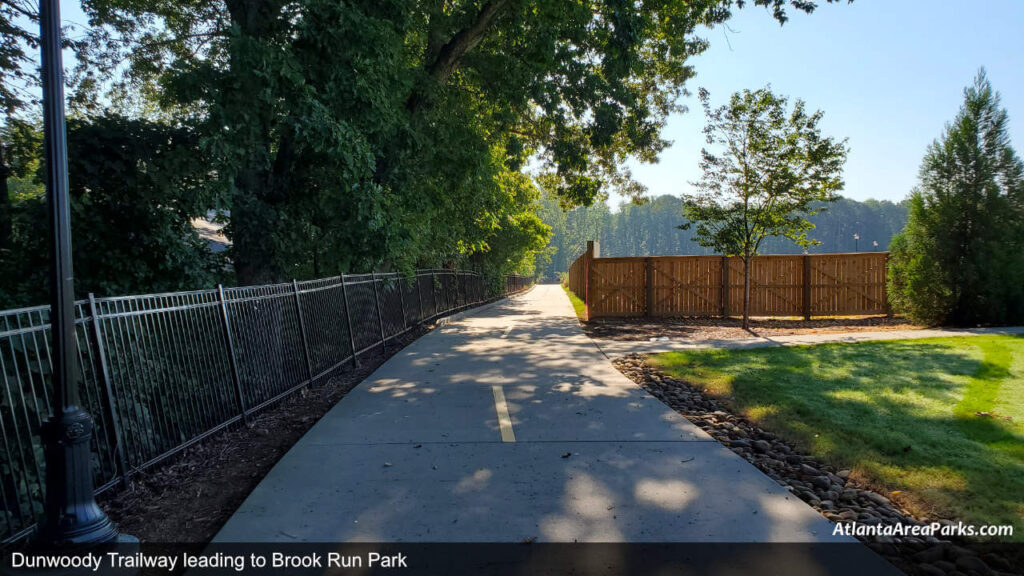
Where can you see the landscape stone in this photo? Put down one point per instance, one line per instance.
(930, 570)
(830, 491)
(972, 564)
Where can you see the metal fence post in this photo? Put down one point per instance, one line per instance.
(348, 321)
(115, 426)
(458, 290)
(302, 330)
(401, 298)
(380, 319)
(229, 342)
(419, 296)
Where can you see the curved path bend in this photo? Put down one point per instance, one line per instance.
(510, 425)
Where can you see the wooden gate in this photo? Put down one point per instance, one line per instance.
(686, 286)
(617, 287)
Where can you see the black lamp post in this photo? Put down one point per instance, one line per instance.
(71, 516)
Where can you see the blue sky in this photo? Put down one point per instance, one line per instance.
(887, 73)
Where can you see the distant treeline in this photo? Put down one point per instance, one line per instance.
(652, 229)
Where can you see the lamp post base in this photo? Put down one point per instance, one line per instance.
(72, 517)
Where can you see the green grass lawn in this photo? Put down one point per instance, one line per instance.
(902, 415)
(577, 304)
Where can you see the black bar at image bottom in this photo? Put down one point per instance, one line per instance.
(489, 559)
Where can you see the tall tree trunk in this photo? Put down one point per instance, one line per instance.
(258, 189)
(6, 224)
(253, 224)
(746, 293)
(446, 58)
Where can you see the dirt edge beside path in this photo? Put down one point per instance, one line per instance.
(647, 329)
(191, 497)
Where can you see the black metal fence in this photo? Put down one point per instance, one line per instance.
(164, 371)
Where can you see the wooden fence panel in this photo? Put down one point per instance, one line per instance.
(617, 287)
(798, 285)
(851, 284)
(776, 286)
(686, 286)
(575, 277)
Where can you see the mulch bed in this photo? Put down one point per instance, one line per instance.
(645, 329)
(829, 491)
(190, 498)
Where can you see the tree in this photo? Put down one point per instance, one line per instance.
(15, 73)
(773, 167)
(367, 132)
(135, 186)
(960, 259)
(19, 84)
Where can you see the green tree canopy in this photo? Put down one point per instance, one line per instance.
(366, 132)
(960, 259)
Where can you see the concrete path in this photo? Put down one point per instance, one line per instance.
(616, 348)
(510, 425)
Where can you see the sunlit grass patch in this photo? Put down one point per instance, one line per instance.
(577, 304)
(939, 421)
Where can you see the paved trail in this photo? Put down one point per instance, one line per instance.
(507, 425)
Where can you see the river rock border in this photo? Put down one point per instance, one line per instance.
(827, 490)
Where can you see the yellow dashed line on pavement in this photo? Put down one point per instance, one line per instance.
(504, 421)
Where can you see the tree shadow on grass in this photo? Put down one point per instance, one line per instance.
(904, 415)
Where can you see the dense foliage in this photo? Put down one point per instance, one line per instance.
(651, 229)
(135, 187)
(961, 258)
(385, 134)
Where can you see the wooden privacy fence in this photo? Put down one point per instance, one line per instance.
(780, 285)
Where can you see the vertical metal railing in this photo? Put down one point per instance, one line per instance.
(161, 372)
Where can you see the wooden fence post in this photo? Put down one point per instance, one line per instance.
(885, 285)
(586, 281)
(593, 251)
(807, 287)
(725, 286)
(649, 280)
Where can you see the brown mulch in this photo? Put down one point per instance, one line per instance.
(645, 329)
(189, 498)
